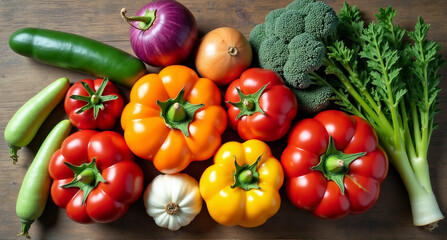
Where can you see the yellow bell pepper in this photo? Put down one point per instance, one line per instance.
(241, 187)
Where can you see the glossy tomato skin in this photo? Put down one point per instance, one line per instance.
(109, 200)
(277, 101)
(106, 118)
(309, 188)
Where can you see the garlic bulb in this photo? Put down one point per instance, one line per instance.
(173, 200)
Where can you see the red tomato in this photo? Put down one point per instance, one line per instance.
(260, 106)
(105, 195)
(93, 104)
(333, 165)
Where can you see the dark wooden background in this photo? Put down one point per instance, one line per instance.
(22, 78)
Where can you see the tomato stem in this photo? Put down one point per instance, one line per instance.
(334, 164)
(94, 99)
(86, 177)
(249, 104)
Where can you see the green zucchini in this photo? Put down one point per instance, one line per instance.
(25, 123)
(36, 184)
(71, 51)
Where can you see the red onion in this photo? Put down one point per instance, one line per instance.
(163, 32)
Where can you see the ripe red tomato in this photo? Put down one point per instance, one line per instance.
(333, 165)
(95, 176)
(93, 104)
(260, 106)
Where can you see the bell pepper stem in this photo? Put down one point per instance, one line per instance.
(247, 176)
(176, 113)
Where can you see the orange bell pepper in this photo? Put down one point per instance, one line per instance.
(174, 117)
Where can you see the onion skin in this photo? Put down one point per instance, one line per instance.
(171, 37)
(222, 55)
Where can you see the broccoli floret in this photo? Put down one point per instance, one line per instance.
(313, 99)
(321, 20)
(289, 24)
(273, 54)
(257, 36)
(305, 55)
(270, 20)
(291, 44)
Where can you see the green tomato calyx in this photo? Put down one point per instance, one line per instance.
(249, 104)
(247, 176)
(334, 164)
(94, 99)
(86, 177)
(145, 22)
(178, 113)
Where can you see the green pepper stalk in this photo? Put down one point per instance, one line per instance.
(247, 176)
(178, 113)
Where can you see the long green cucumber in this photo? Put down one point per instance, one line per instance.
(75, 52)
(36, 184)
(25, 123)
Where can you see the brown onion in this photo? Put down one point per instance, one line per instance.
(222, 55)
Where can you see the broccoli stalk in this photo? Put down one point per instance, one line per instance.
(398, 95)
(289, 42)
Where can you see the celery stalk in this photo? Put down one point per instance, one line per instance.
(393, 84)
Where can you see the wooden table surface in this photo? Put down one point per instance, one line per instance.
(21, 78)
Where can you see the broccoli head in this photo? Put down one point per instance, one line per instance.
(289, 24)
(321, 20)
(289, 42)
(273, 54)
(305, 55)
(313, 99)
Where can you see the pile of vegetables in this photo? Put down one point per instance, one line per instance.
(304, 56)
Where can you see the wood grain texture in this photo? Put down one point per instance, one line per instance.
(22, 78)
